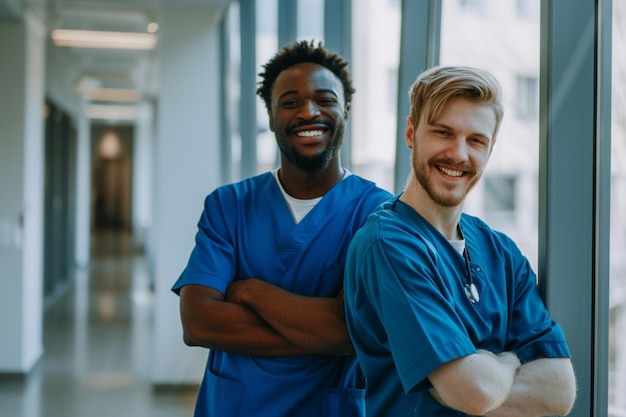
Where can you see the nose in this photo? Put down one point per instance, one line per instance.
(309, 110)
(459, 150)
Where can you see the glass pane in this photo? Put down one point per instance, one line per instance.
(233, 89)
(266, 47)
(473, 33)
(617, 329)
(374, 67)
(311, 20)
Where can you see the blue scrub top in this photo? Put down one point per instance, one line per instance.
(247, 231)
(407, 310)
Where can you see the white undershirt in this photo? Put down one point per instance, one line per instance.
(459, 245)
(300, 208)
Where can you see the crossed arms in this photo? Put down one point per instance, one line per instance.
(492, 385)
(259, 319)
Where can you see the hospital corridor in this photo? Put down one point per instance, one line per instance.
(97, 337)
(118, 118)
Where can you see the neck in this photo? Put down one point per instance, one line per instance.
(445, 219)
(306, 185)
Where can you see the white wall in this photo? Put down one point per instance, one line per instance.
(22, 46)
(186, 169)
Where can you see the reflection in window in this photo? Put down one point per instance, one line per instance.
(617, 324)
(507, 197)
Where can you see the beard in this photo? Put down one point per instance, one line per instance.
(446, 197)
(316, 162)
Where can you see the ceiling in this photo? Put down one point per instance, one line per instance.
(100, 67)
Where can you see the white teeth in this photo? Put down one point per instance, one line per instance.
(310, 133)
(451, 172)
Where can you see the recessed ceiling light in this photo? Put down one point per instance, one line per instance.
(112, 94)
(103, 39)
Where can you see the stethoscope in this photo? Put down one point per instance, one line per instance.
(470, 289)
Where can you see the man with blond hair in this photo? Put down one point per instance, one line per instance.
(444, 312)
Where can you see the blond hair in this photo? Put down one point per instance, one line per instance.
(435, 86)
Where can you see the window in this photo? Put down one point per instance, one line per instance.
(617, 293)
(527, 98)
(499, 194)
(478, 7)
(528, 9)
(374, 67)
(507, 197)
(266, 47)
(311, 20)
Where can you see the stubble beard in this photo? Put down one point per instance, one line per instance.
(317, 162)
(442, 197)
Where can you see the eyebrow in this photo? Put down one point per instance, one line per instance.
(321, 90)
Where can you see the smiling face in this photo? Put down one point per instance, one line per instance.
(308, 116)
(450, 153)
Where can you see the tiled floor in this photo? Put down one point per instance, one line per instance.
(97, 348)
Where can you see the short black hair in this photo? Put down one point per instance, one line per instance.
(296, 53)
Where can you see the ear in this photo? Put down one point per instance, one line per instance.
(269, 116)
(409, 133)
(346, 112)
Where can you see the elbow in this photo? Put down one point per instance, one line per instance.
(564, 403)
(565, 397)
(476, 401)
(561, 406)
(480, 402)
(191, 335)
(478, 397)
(188, 339)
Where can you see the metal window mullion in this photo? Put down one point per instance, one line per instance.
(287, 22)
(247, 105)
(225, 129)
(574, 179)
(419, 49)
(338, 39)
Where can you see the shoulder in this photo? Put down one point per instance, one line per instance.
(241, 190)
(392, 232)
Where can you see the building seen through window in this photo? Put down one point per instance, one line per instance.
(617, 293)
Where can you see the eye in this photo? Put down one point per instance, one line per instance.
(479, 140)
(441, 132)
(289, 104)
(327, 101)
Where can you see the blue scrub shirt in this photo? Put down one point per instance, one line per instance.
(247, 231)
(408, 313)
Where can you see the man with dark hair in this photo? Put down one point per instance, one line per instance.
(263, 289)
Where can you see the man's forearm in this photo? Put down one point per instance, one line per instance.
(476, 383)
(211, 322)
(544, 387)
(313, 323)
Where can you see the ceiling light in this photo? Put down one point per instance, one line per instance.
(102, 39)
(109, 112)
(112, 94)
